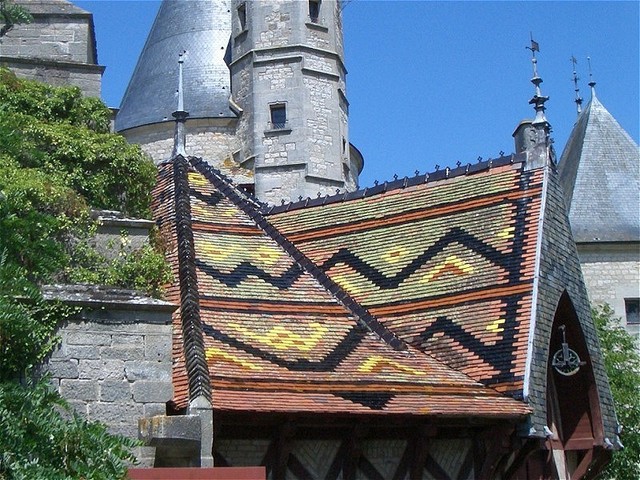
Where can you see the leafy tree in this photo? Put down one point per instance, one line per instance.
(10, 15)
(622, 362)
(57, 158)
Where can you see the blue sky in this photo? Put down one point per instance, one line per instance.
(433, 83)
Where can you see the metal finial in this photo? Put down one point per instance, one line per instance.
(578, 99)
(395, 176)
(592, 82)
(179, 138)
(501, 153)
(538, 99)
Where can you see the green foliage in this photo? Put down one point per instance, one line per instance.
(622, 363)
(42, 438)
(57, 157)
(38, 213)
(11, 14)
(57, 131)
(144, 269)
(26, 329)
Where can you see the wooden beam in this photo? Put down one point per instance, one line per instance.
(284, 445)
(497, 445)
(583, 466)
(525, 451)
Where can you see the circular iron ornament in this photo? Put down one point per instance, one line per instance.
(566, 362)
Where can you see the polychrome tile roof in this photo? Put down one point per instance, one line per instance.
(285, 331)
(447, 266)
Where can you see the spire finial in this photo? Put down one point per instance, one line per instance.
(578, 99)
(179, 137)
(538, 99)
(592, 82)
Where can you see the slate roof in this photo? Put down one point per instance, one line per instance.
(281, 331)
(203, 31)
(600, 173)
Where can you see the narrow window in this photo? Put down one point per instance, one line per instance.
(314, 10)
(278, 116)
(242, 17)
(632, 309)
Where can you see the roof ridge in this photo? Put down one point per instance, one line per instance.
(254, 211)
(399, 183)
(192, 331)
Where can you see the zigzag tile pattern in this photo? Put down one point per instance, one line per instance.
(446, 266)
(276, 340)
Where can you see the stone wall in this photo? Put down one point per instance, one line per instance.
(113, 363)
(58, 47)
(214, 141)
(612, 273)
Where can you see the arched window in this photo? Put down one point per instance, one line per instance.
(573, 409)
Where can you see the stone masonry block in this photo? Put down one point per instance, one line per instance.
(157, 347)
(80, 338)
(85, 390)
(152, 392)
(101, 369)
(153, 409)
(114, 413)
(148, 371)
(122, 352)
(127, 339)
(83, 352)
(115, 391)
(63, 368)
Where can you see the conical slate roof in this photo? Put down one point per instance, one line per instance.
(202, 28)
(599, 170)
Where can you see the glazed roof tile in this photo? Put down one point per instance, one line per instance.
(447, 266)
(282, 336)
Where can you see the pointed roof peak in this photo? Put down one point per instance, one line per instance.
(592, 82)
(180, 137)
(600, 173)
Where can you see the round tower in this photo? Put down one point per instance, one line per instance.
(199, 29)
(288, 76)
(264, 85)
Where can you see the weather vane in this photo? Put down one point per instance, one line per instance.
(578, 99)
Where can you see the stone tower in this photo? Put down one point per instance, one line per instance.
(58, 47)
(265, 91)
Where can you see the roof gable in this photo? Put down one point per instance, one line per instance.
(280, 338)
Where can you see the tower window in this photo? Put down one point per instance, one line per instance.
(278, 116)
(632, 310)
(314, 10)
(242, 17)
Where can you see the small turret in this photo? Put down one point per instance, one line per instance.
(534, 136)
